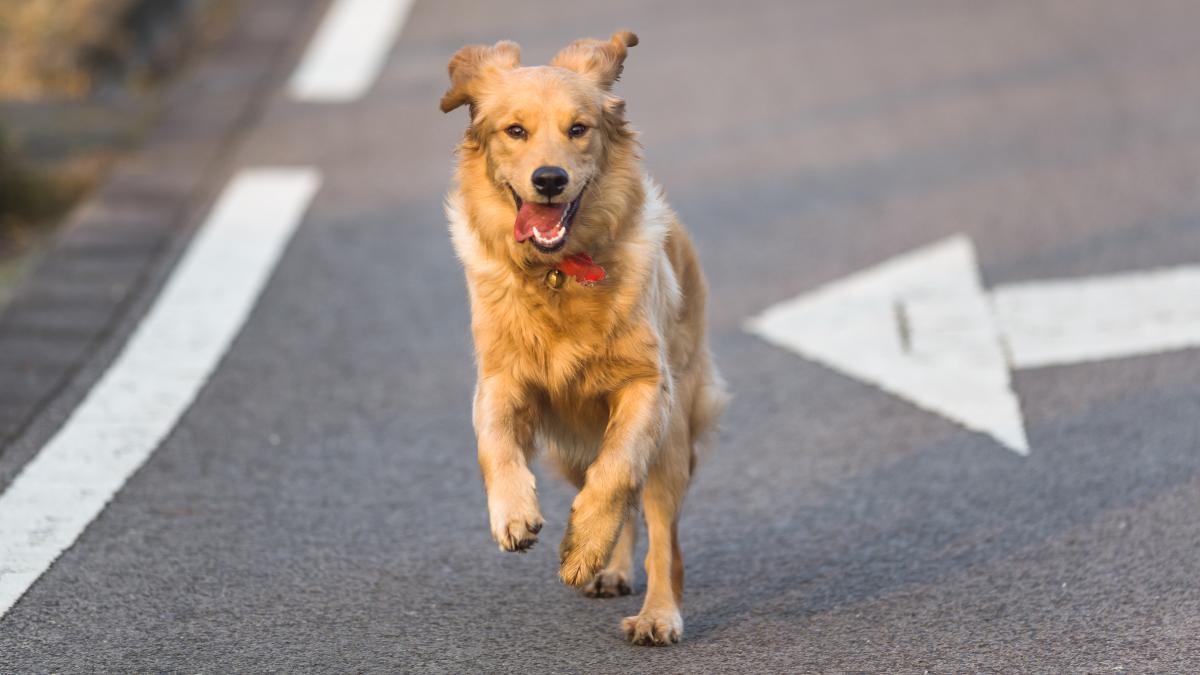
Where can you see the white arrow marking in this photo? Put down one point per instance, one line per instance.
(920, 326)
(917, 326)
(1058, 322)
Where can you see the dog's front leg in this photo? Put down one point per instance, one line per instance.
(504, 431)
(613, 481)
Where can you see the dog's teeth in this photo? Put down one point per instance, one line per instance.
(555, 235)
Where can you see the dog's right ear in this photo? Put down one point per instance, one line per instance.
(470, 64)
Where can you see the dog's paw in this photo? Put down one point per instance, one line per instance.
(580, 563)
(608, 584)
(654, 627)
(591, 534)
(516, 529)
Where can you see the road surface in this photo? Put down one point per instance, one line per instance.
(317, 506)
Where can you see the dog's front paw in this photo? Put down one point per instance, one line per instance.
(518, 535)
(591, 534)
(608, 584)
(584, 550)
(654, 627)
(580, 564)
(515, 527)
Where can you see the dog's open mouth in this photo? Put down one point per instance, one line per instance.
(546, 225)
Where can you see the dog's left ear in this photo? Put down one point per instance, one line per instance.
(595, 59)
(470, 64)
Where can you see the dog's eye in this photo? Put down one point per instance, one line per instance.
(576, 130)
(516, 131)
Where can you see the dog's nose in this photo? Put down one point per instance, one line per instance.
(550, 180)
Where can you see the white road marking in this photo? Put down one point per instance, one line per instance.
(348, 50)
(895, 326)
(920, 326)
(158, 373)
(1070, 321)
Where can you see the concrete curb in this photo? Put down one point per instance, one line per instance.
(105, 256)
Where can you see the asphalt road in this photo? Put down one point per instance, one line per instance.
(319, 506)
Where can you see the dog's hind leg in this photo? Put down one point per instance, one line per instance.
(659, 621)
(617, 576)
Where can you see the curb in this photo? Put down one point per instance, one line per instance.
(106, 252)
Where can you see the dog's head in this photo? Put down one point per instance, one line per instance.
(545, 132)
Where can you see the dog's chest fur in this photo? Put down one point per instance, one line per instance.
(579, 343)
(554, 338)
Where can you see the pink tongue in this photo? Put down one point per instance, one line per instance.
(541, 216)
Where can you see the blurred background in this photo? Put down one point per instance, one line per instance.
(79, 82)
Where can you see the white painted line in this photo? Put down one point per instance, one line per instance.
(158, 373)
(349, 50)
(1072, 321)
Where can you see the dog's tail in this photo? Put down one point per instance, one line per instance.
(711, 398)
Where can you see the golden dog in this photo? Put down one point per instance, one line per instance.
(587, 310)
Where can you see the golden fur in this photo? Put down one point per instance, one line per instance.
(615, 380)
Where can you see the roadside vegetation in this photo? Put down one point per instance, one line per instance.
(78, 80)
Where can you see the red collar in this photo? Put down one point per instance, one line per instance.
(583, 268)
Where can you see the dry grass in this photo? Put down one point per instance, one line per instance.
(43, 54)
(44, 45)
(89, 56)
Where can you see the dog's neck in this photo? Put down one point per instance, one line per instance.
(579, 267)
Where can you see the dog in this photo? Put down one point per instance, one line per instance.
(588, 316)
